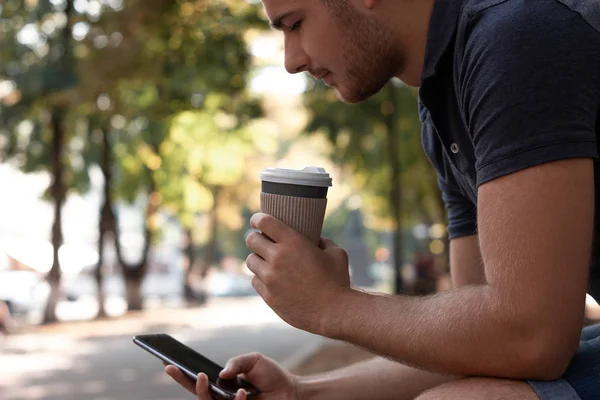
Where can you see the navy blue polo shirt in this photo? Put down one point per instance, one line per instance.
(507, 85)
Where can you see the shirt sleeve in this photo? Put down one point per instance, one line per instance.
(462, 213)
(529, 85)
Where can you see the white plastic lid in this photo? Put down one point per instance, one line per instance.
(309, 176)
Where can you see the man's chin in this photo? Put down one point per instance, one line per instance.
(350, 97)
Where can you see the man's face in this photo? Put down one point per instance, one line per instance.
(341, 44)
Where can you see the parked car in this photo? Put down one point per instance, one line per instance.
(229, 284)
(24, 292)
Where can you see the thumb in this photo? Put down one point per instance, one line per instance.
(240, 365)
(326, 244)
(339, 255)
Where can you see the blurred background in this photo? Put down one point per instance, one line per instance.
(132, 134)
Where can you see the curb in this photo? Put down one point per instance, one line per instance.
(304, 353)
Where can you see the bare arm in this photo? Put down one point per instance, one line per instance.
(466, 264)
(390, 379)
(535, 235)
(376, 378)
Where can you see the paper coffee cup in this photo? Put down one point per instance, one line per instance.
(298, 198)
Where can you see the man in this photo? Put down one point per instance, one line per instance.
(510, 104)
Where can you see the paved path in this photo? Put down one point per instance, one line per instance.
(98, 361)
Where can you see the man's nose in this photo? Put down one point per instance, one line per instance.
(296, 59)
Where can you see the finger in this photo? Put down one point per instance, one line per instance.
(240, 365)
(202, 387)
(260, 287)
(257, 265)
(180, 378)
(240, 395)
(276, 230)
(260, 244)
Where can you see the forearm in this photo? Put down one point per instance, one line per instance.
(465, 331)
(376, 378)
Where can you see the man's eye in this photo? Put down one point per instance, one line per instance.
(296, 26)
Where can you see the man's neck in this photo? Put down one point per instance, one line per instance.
(412, 29)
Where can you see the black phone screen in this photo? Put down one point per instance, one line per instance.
(187, 357)
(193, 361)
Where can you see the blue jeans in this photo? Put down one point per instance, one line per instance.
(581, 381)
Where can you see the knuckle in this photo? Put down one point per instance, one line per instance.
(267, 297)
(266, 223)
(297, 240)
(254, 356)
(250, 262)
(255, 283)
(251, 239)
(267, 278)
(277, 257)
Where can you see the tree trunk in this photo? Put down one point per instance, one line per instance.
(134, 272)
(58, 189)
(188, 292)
(107, 220)
(58, 192)
(210, 255)
(133, 291)
(99, 275)
(100, 291)
(395, 186)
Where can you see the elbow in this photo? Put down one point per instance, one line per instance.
(545, 355)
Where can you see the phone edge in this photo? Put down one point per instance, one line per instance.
(187, 372)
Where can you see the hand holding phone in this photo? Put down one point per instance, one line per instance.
(275, 383)
(199, 388)
(191, 364)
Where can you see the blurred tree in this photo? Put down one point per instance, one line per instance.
(117, 72)
(170, 57)
(379, 142)
(206, 173)
(37, 76)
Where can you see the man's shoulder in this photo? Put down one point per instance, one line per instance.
(473, 7)
(513, 14)
(508, 26)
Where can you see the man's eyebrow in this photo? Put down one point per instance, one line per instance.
(278, 21)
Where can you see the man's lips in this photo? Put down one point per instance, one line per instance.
(319, 74)
(327, 79)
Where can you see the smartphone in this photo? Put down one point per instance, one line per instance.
(191, 363)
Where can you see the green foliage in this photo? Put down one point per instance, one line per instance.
(184, 57)
(358, 135)
(166, 79)
(37, 74)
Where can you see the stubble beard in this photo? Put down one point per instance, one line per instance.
(370, 57)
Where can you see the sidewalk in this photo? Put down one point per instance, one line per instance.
(216, 313)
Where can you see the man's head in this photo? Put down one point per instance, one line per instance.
(355, 46)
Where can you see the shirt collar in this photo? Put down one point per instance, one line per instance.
(442, 29)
